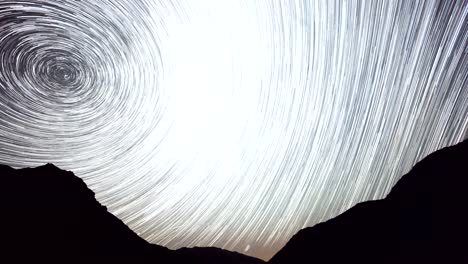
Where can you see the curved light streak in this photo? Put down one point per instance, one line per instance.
(231, 123)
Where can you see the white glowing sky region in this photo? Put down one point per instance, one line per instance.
(231, 123)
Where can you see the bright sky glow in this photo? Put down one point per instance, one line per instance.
(231, 123)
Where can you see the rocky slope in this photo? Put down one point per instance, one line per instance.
(424, 219)
(50, 214)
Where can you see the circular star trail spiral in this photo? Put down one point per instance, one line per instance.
(231, 123)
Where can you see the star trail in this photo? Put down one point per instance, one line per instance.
(231, 123)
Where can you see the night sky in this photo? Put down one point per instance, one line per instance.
(231, 123)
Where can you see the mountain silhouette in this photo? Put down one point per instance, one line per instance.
(49, 214)
(424, 219)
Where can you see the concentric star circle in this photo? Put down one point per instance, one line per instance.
(231, 123)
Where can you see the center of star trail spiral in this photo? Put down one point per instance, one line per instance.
(231, 123)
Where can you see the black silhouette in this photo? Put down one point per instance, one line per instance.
(50, 215)
(424, 219)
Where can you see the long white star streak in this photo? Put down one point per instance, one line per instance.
(231, 123)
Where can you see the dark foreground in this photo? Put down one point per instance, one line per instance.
(424, 219)
(49, 215)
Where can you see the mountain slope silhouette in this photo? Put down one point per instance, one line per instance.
(424, 219)
(50, 214)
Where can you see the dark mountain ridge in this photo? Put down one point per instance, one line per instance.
(424, 219)
(50, 214)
